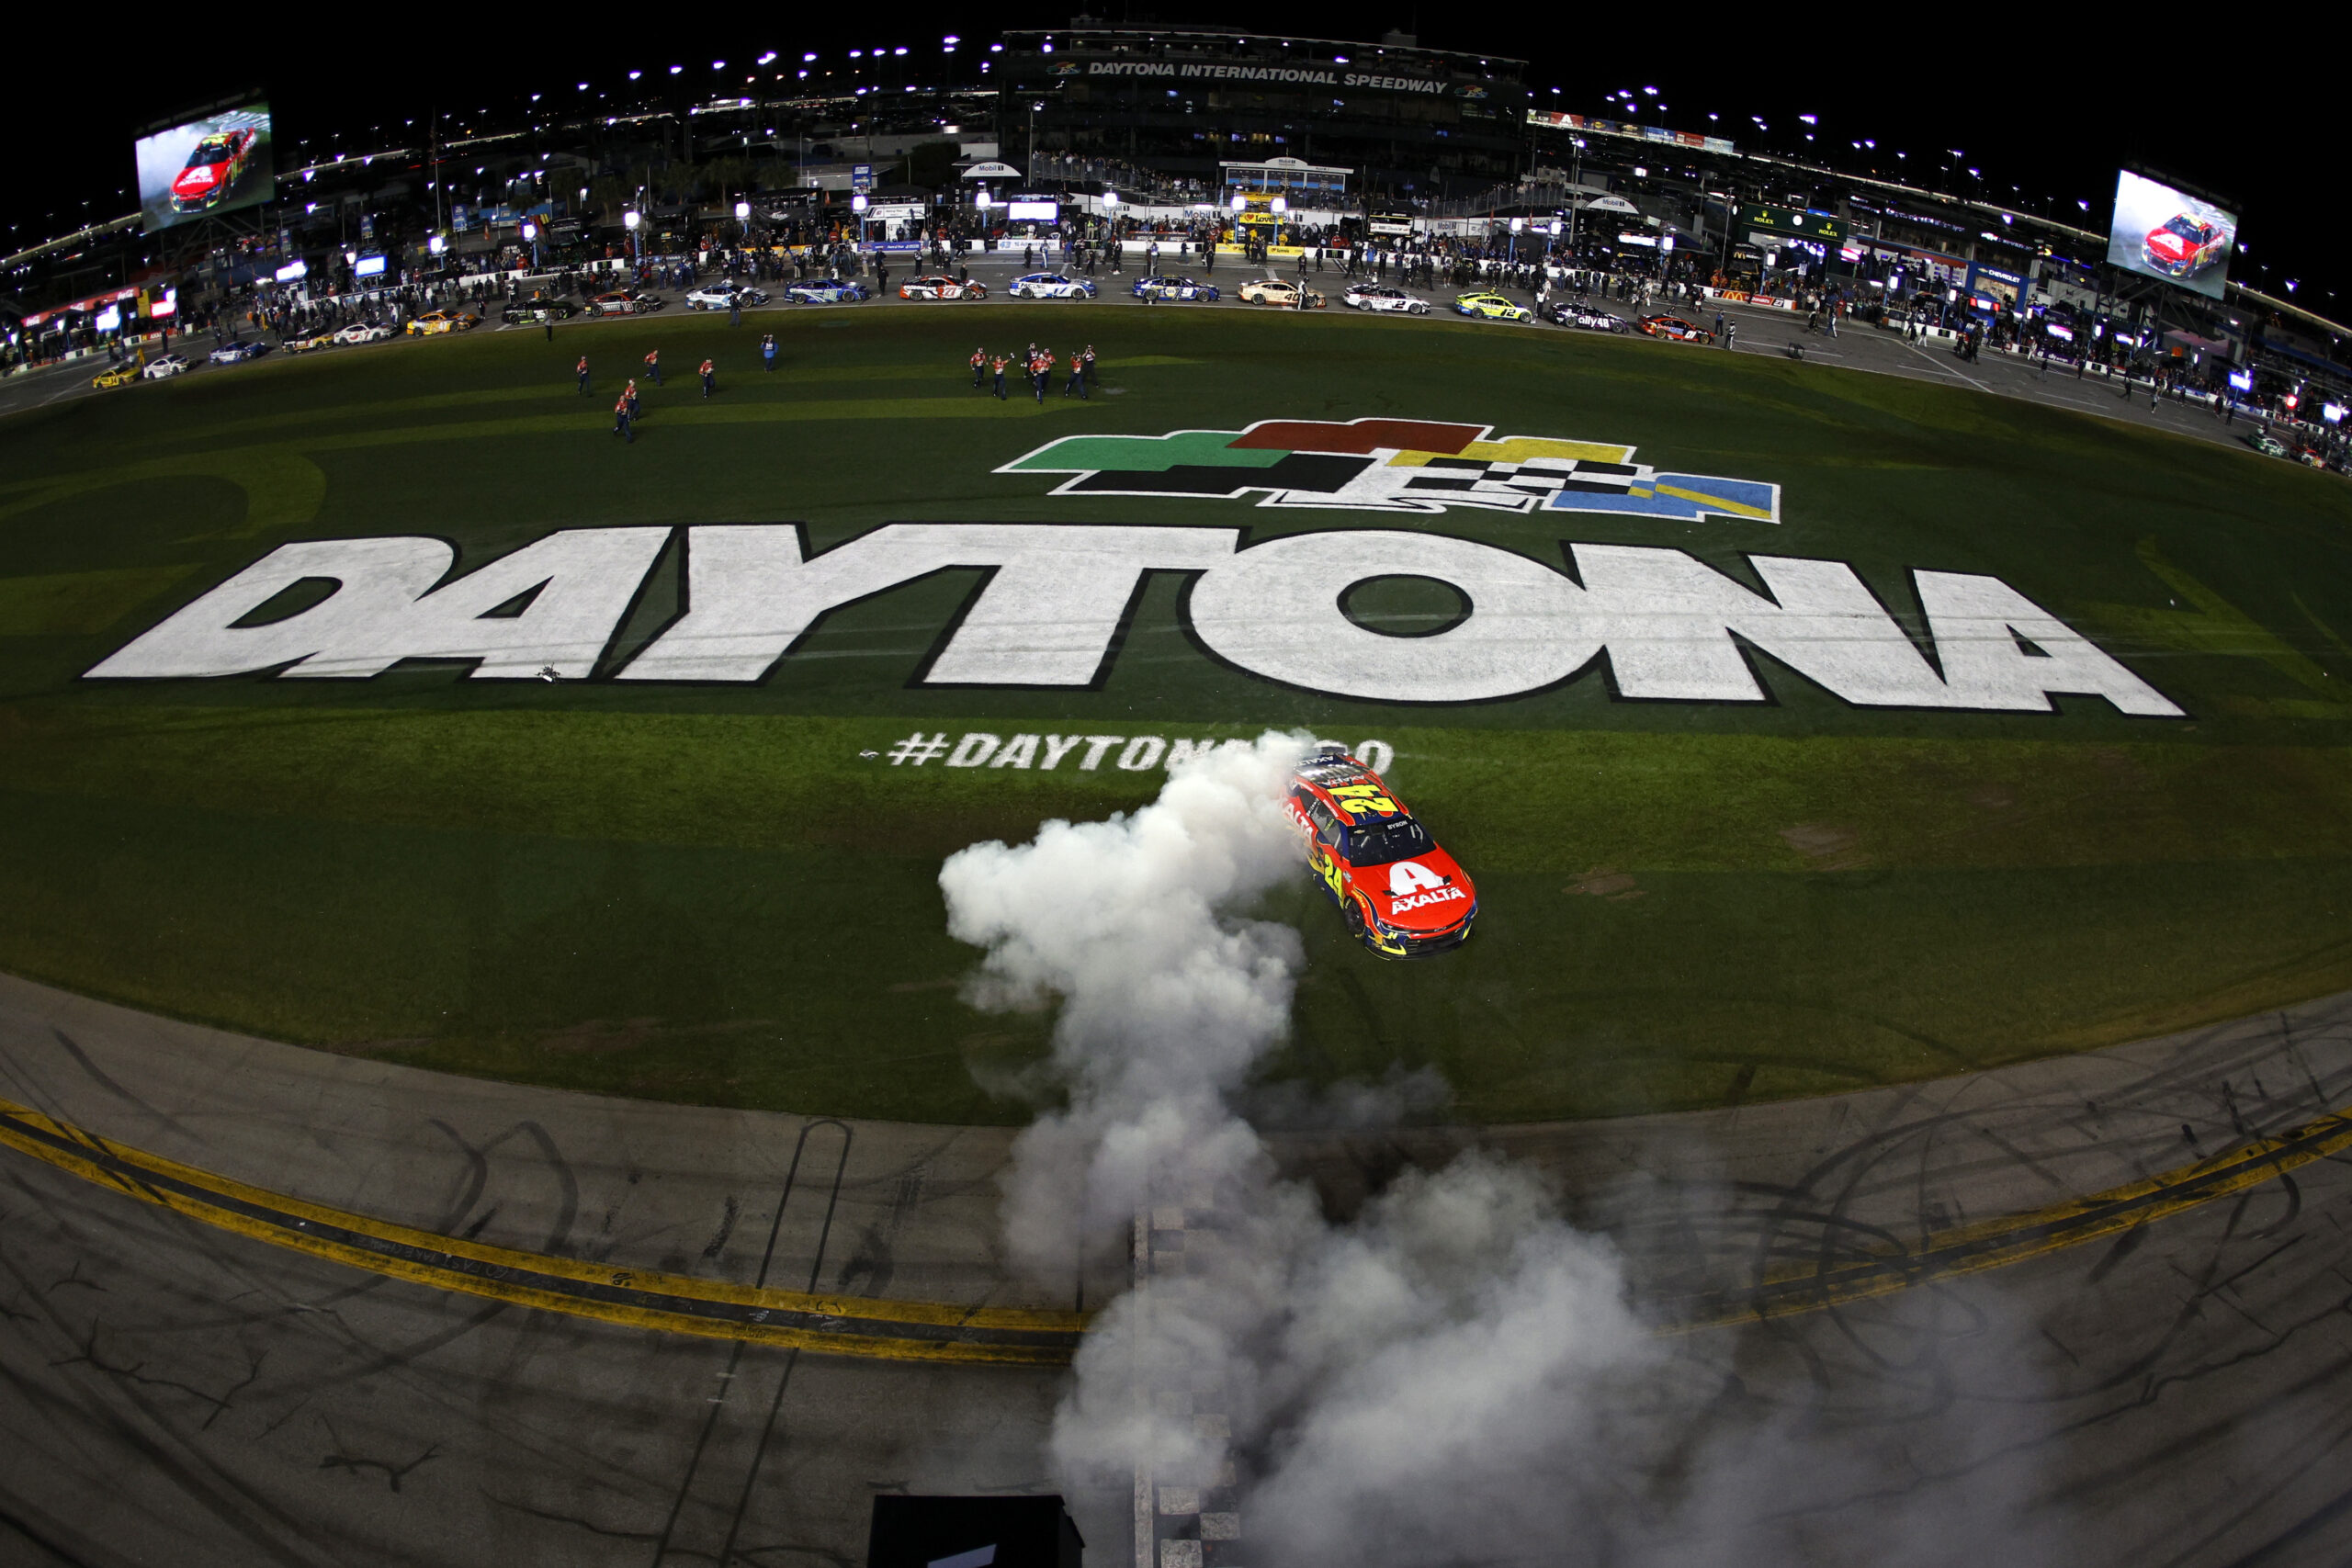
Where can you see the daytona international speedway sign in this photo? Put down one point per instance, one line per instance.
(1663, 625)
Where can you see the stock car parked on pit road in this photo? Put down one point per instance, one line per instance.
(1174, 289)
(237, 352)
(531, 313)
(163, 368)
(1490, 308)
(1676, 328)
(827, 291)
(364, 331)
(212, 169)
(940, 288)
(720, 296)
(439, 323)
(1280, 291)
(1051, 286)
(1401, 895)
(623, 302)
(2182, 246)
(1380, 297)
(304, 339)
(1591, 318)
(122, 375)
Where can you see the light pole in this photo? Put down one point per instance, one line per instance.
(630, 221)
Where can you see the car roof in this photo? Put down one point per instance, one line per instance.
(1321, 775)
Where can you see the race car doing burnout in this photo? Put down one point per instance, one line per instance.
(1051, 286)
(1402, 896)
(940, 288)
(2182, 246)
(213, 169)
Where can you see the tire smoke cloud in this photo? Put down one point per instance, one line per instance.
(1456, 1374)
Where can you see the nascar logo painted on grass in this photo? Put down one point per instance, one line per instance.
(1394, 465)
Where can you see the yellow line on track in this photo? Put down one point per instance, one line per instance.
(888, 1330)
(939, 1331)
(1843, 1275)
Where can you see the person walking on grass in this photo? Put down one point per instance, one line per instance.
(709, 378)
(581, 370)
(1077, 382)
(998, 364)
(622, 409)
(653, 366)
(1094, 378)
(767, 351)
(631, 395)
(980, 366)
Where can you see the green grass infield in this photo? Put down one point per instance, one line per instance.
(723, 889)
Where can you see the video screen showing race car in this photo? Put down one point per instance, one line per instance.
(216, 163)
(2162, 233)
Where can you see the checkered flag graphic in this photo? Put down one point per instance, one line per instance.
(1470, 481)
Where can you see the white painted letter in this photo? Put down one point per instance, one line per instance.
(1668, 620)
(1274, 610)
(1977, 621)
(1046, 618)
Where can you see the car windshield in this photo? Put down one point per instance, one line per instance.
(1380, 843)
(209, 151)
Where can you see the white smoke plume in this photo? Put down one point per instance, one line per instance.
(1455, 1376)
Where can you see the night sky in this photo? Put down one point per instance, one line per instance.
(2044, 118)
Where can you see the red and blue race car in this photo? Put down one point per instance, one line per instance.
(1402, 896)
(213, 169)
(2183, 246)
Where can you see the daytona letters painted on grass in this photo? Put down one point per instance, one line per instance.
(1665, 626)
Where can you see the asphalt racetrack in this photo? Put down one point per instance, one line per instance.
(1911, 930)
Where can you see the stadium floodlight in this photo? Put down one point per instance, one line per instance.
(742, 210)
(1240, 202)
(1281, 204)
(1556, 228)
(767, 59)
(675, 69)
(437, 245)
(631, 219)
(857, 202)
(1109, 198)
(807, 59)
(1809, 118)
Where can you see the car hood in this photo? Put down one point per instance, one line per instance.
(1429, 892)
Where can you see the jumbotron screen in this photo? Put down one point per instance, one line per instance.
(217, 164)
(2163, 233)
